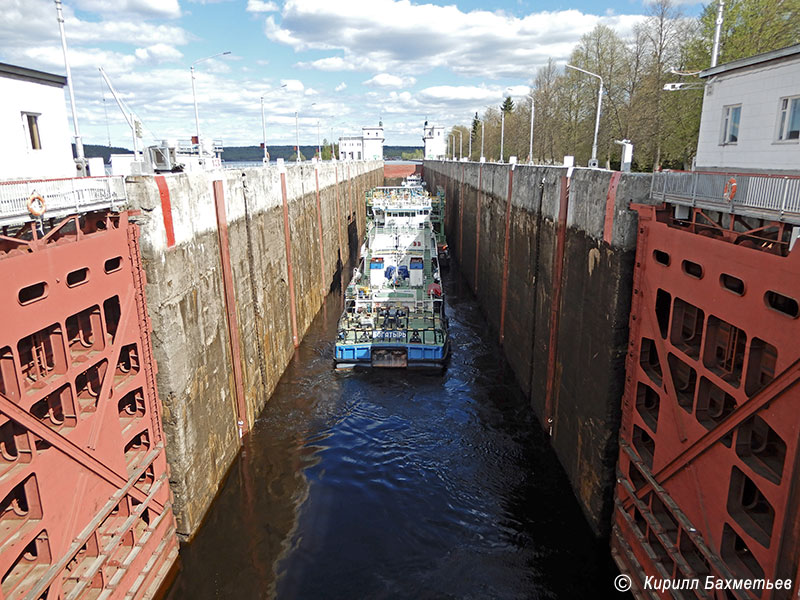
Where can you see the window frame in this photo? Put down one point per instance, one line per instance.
(33, 137)
(781, 126)
(727, 112)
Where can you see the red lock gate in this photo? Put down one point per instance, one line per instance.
(86, 506)
(708, 464)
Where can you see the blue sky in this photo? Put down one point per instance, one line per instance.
(344, 63)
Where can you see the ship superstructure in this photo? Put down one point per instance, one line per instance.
(394, 306)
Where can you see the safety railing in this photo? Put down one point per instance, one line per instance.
(762, 196)
(22, 201)
(372, 335)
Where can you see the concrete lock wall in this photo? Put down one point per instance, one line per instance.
(563, 318)
(180, 245)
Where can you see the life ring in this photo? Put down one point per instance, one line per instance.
(36, 205)
(730, 189)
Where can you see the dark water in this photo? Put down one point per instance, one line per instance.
(396, 485)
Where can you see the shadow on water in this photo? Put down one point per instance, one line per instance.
(395, 484)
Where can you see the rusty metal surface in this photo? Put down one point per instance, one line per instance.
(708, 466)
(319, 232)
(83, 474)
(551, 394)
(506, 250)
(290, 267)
(478, 199)
(230, 308)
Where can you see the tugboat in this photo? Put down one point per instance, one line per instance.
(394, 312)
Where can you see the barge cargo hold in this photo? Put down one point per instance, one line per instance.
(394, 306)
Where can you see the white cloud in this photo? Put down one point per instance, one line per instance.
(260, 6)
(158, 53)
(386, 80)
(340, 87)
(142, 8)
(396, 36)
(293, 85)
(449, 93)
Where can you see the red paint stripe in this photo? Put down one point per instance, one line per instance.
(506, 250)
(166, 209)
(611, 203)
(555, 306)
(319, 227)
(288, 241)
(230, 306)
(461, 218)
(478, 223)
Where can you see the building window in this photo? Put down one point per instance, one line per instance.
(730, 124)
(789, 119)
(30, 122)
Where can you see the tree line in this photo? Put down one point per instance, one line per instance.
(667, 47)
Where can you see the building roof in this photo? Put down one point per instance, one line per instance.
(750, 61)
(14, 72)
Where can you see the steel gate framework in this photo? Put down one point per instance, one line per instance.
(86, 506)
(708, 465)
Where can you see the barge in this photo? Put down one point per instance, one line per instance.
(394, 313)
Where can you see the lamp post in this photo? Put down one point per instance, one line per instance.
(80, 160)
(483, 158)
(530, 143)
(460, 145)
(264, 129)
(319, 148)
(502, 131)
(194, 93)
(593, 161)
(264, 132)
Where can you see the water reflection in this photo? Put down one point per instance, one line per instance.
(394, 484)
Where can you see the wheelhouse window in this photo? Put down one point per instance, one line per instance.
(730, 124)
(789, 119)
(30, 122)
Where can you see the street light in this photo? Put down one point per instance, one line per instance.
(460, 145)
(80, 159)
(297, 130)
(530, 143)
(502, 131)
(593, 162)
(483, 158)
(194, 93)
(264, 130)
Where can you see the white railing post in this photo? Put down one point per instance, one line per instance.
(784, 195)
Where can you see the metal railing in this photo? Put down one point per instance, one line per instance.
(371, 335)
(60, 197)
(761, 196)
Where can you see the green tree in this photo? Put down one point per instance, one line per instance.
(749, 27)
(508, 105)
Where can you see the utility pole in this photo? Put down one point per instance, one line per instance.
(717, 32)
(530, 144)
(80, 160)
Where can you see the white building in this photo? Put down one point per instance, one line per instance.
(36, 141)
(751, 114)
(367, 146)
(373, 142)
(434, 140)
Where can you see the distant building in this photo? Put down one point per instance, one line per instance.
(373, 142)
(33, 118)
(434, 140)
(367, 146)
(751, 114)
